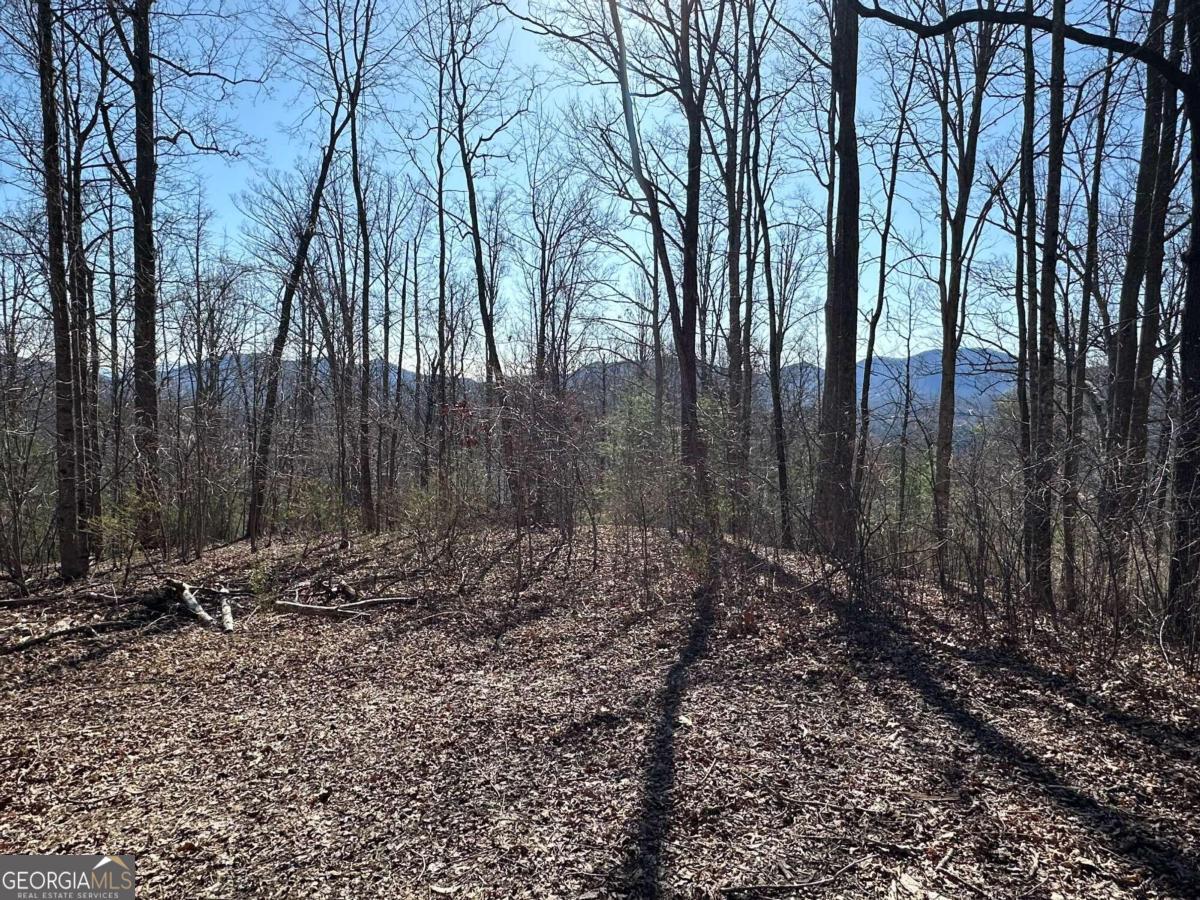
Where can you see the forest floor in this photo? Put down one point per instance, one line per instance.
(528, 725)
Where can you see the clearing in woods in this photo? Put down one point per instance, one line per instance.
(522, 723)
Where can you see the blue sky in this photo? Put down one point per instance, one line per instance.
(276, 139)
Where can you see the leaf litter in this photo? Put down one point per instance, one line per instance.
(527, 725)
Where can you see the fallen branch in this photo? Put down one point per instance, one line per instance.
(16, 602)
(377, 601)
(93, 628)
(98, 597)
(309, 609)
(222, 591)
(340, 610)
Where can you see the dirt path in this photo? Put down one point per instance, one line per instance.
(592, 737)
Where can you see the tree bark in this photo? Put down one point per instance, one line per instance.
(1181, 612)
(776, 331)
(1041, 580)
(73, 559)
(145, 277)
(835, 512)
(366, 496)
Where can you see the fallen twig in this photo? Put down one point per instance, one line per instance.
(795, 885)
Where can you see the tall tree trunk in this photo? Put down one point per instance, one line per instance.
(1025, 372)
(145, 278)
(73, 138)
(494, 373)
(114, 357)
(1182, 606)
(1041, 582)
(744, 420)
(1032, 318)
(905, 420)
(1116, 502)
(656, 337)
(694, 452)
(418, 384)
(1164, 182)
(386, 419)
(73, 559)
(366, 496)
(398, 408)
(1125, 341)
(776, 329)
(776, 308)
(835, 512)
(736, 134)
(439, 364)
(684, 303)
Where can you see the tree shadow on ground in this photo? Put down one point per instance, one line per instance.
(1182, 742)
(868, 629)
(639, 873)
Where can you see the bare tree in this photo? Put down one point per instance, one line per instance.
(329, 42)
(834, 512)
(73, 558)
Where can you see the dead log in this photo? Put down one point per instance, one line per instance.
(187, 595)
(226, 611)
(193, 605)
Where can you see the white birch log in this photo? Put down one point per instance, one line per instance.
(188, 595)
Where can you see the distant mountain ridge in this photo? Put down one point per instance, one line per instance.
(984, 376)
